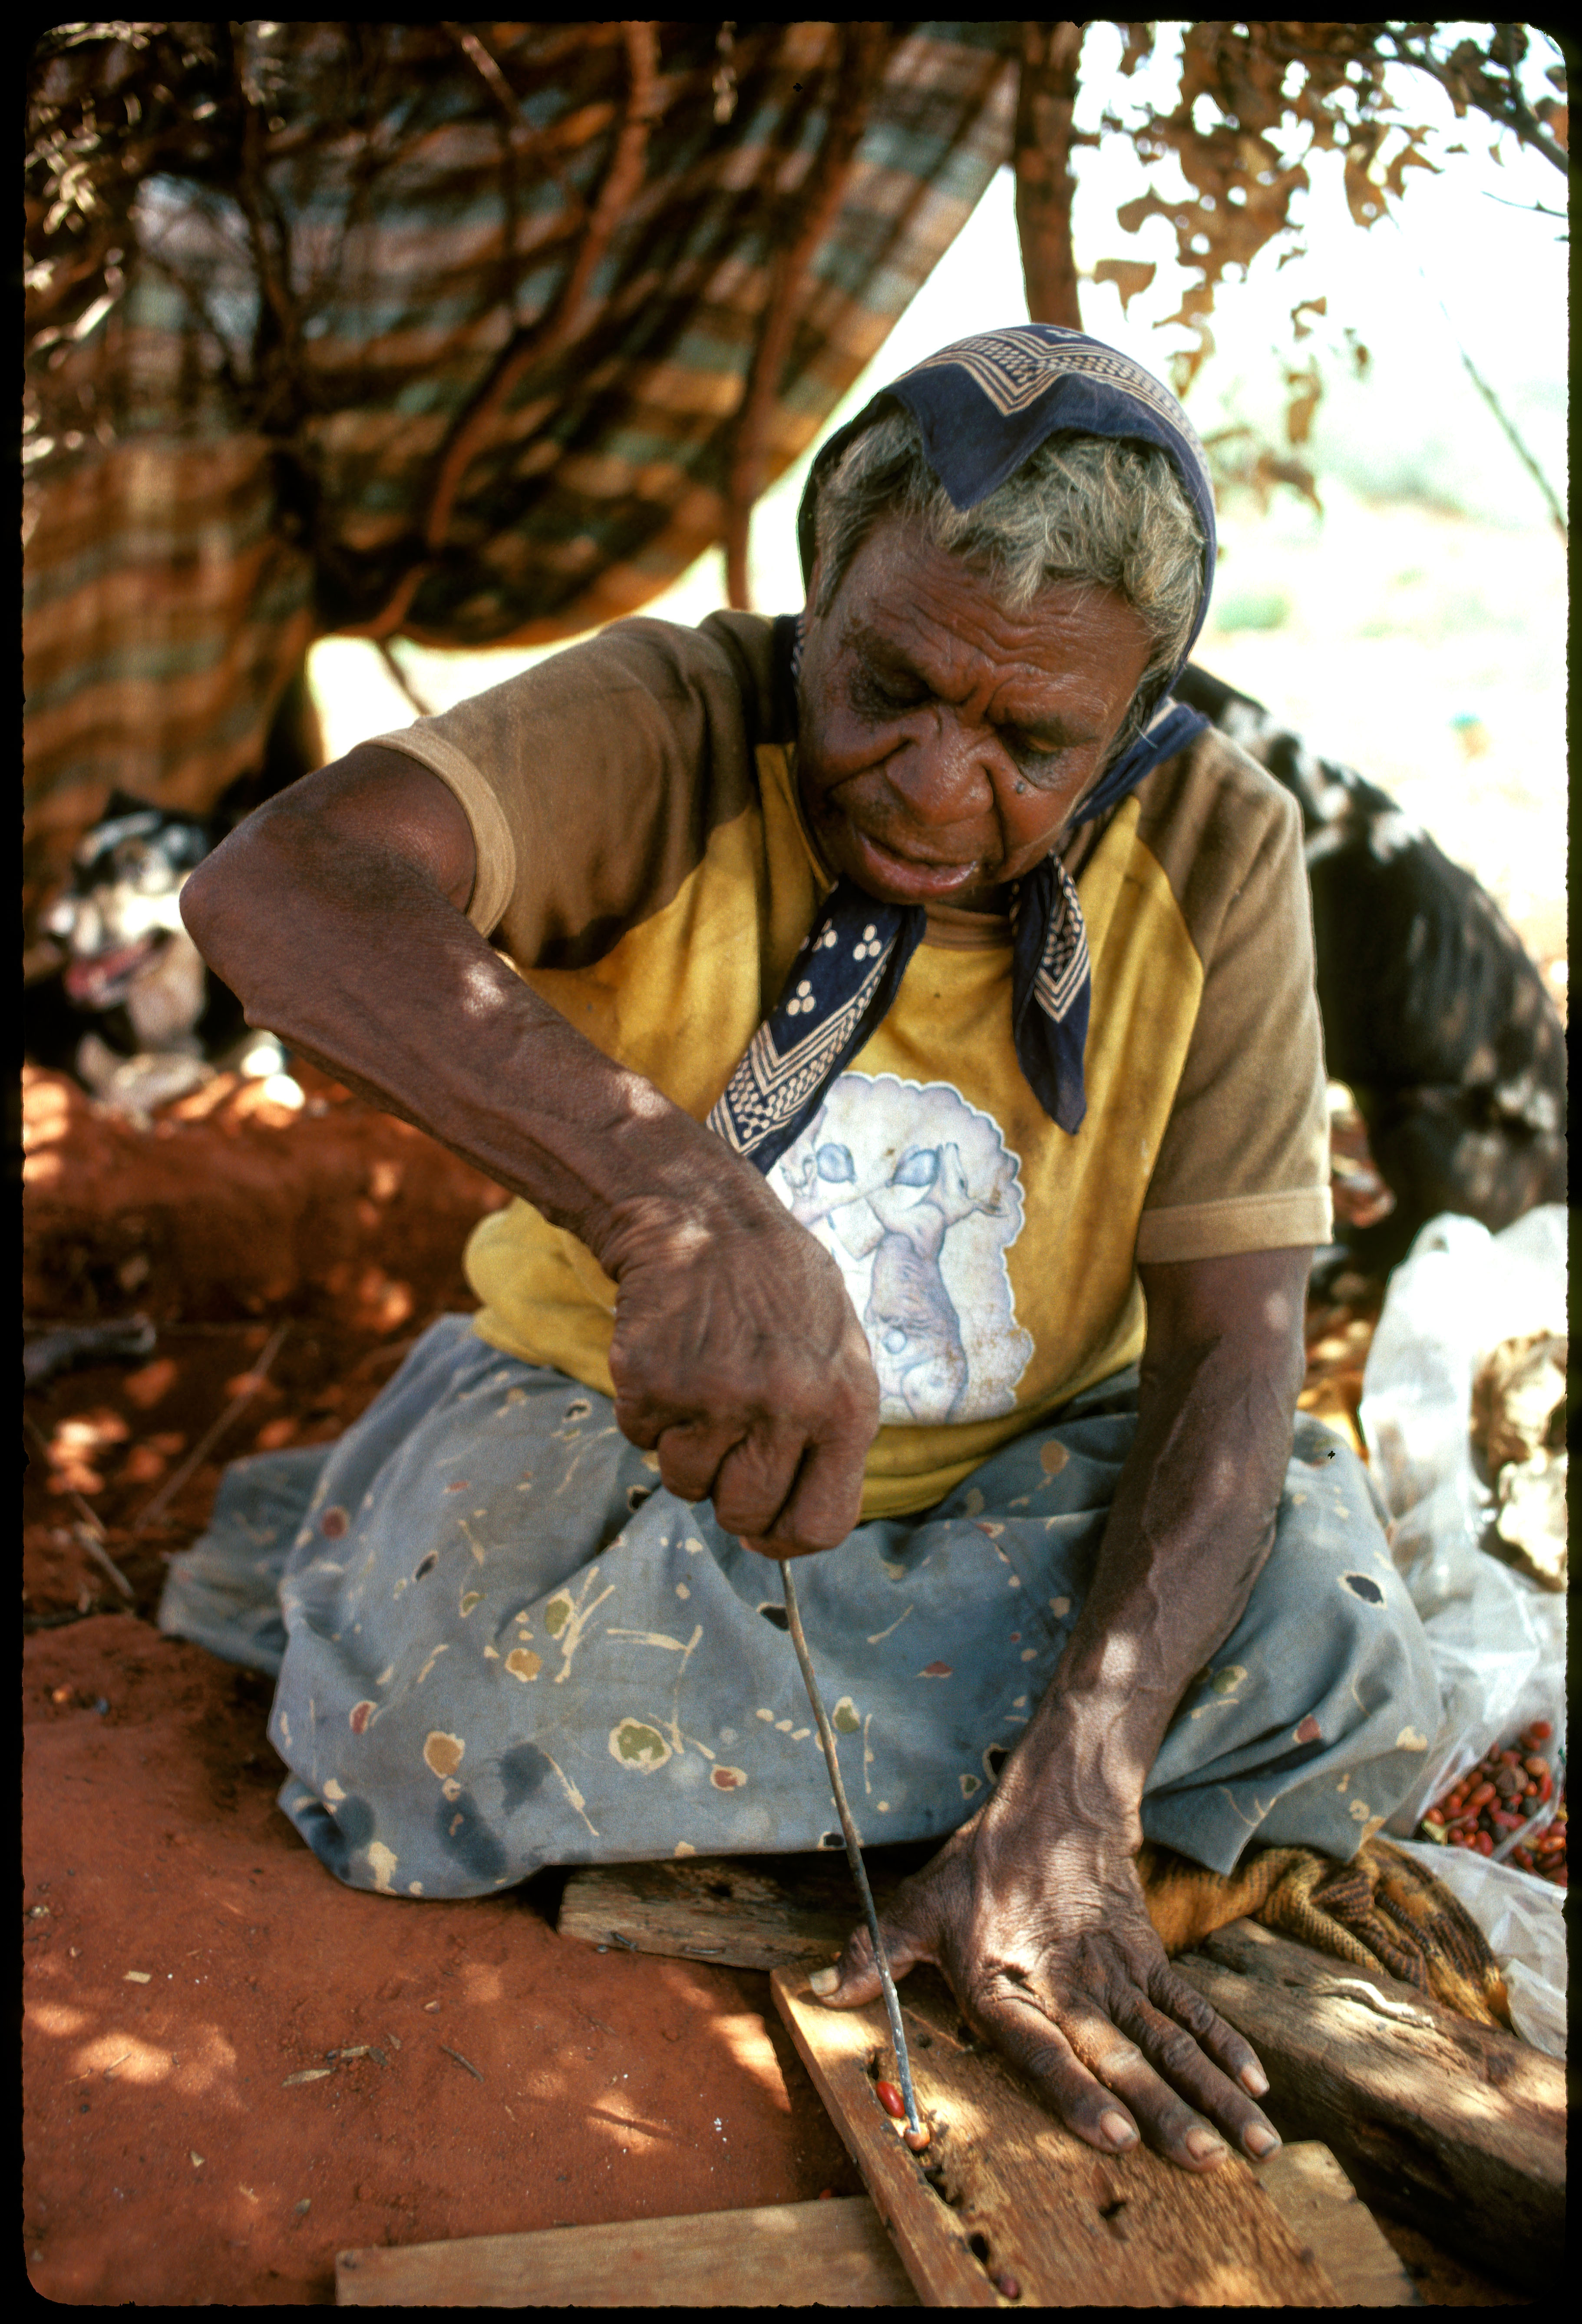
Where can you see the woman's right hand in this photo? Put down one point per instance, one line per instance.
(739, 1358)
(337, 913)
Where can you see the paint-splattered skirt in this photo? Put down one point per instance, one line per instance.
(501, 1645)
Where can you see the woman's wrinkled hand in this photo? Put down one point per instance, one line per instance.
(1048, 1947)
(737, 1358)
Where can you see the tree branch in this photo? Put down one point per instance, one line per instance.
(1513, 114)
(387, 655)
(533, 343)
(864, 52)
(1045, 186)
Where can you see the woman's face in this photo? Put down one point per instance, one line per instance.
(945, 742)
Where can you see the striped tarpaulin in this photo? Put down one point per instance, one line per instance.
(471, 334)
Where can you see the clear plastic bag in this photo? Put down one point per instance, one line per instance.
(1498, 1640)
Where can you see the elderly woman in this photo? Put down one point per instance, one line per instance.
(897, 1026)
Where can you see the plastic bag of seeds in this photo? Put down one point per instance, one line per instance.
(1496, 1637)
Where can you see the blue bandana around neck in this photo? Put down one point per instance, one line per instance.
(982, 407)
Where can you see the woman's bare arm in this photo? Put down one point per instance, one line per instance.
(337, 913)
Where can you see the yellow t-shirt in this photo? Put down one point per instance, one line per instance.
(643, 860)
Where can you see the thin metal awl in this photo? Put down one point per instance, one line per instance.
(853, 1852)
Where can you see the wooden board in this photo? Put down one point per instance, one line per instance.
(1319, 2205)
(834, 2254)
(739, 1911)
(783, 2255)
(1015, 2212)
(1459, 2129)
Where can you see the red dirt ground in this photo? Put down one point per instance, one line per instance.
(186, 1956)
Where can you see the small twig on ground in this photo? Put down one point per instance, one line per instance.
(456, 2054)
(101, 1557)
(205, 1442)
(90, 1532)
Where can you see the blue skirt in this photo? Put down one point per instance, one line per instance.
(501, 1645)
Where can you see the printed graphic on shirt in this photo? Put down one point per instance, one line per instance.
(917, 1196)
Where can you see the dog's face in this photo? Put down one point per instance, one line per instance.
(120, 916)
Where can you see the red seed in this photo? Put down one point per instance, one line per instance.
(1540, 1730)
(1008, 2287)
(890, 2098)
(917, 2139)
(1545, 1785)
(1483, 1793)
(1461, 1840)
(1484, 1844)
(1534, 1765)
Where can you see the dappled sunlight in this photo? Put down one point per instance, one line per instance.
(746, 2037)
(482, 1983)
(56, 2018)
(198, 2061)
(481, 996)
(122, 2057)
(1279, 1311)
(654, 2130)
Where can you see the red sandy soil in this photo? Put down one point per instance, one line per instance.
(186, 1956)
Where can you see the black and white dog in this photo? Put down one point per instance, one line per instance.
(132, 1010)
(126, 1003)
(1434, 1017)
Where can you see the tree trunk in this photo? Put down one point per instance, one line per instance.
(1045, 184)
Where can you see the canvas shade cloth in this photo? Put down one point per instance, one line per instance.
(303, 268)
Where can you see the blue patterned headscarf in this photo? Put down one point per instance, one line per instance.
(982, 408)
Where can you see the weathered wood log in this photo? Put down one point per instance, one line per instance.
(1457, 2129)
(734, 1910)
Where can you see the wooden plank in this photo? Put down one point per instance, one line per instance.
(834, 2253)
(1007, 2208)
(1319, 2205)
(1456, 2127)
(739, 1911)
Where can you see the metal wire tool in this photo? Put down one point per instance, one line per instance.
(854, 1856)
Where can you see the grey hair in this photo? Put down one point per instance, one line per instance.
(1090, 509)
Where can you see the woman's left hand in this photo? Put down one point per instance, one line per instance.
(1048, 1947)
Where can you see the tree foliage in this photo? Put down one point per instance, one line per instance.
(1252, 104)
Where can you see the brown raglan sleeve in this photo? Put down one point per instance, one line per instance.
(1244, 1164)
(593, 780)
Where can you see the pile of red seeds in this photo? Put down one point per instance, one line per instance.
(1509, 1788)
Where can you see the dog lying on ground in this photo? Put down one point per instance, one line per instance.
(126, 1002)
(1435, 1018)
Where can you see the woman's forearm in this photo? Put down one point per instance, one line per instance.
(1192, 1525)
(351, 953)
